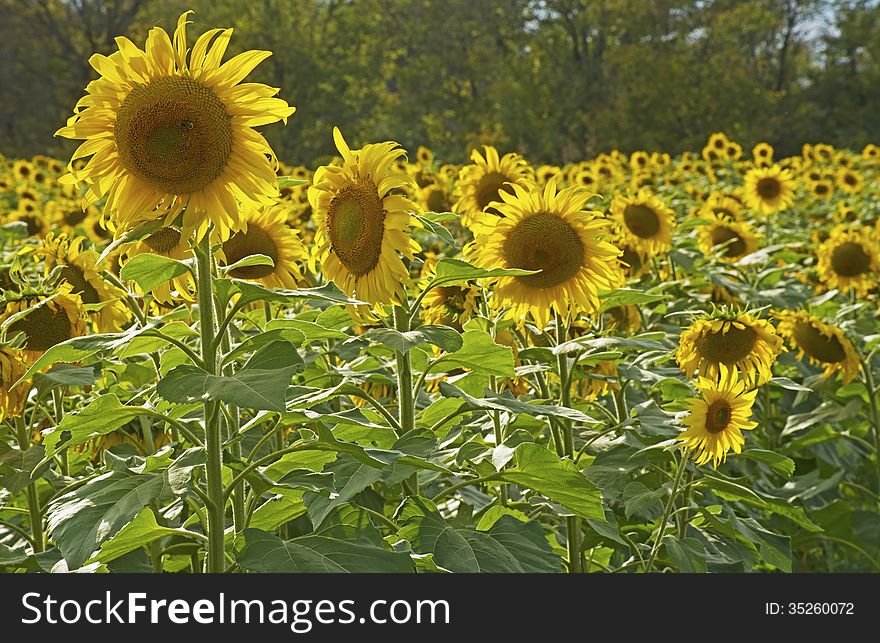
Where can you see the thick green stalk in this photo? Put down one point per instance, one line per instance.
(215, 561)
(406, 408)
(572, 523)
(33, 501)
(873, 392)
(682, 465)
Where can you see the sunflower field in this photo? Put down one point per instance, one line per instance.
(214, 362)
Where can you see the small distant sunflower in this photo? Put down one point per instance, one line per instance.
(591, 387)
(718, 142)
(729, 339)
(769, 189)
(822, 189)
(737, 237)
(424, 155)
(362, 223)
(548, 231)
(634, 263)
(762, 153)
(66, 214)
(36, 223)
(718, 417)
(77, 266)
(546, 172)
(435, 196)
(850, 260)
(22, 170)
(639, 160)
(173, 126)
(724, 205)
(850, 181)
(871, 152)
(485, 180)
(12, 367)
(45, 320)
(268, 234)
(166, 242)
(644, 221)
(823, 344)
(450, 305)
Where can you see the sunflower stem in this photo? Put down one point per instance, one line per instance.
(682, 465)
(33, 501)
(405, 399)
(873, 392)
(215, 559)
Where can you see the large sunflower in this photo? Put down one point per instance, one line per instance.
(267, 234)
(551, 232)
(166, 242)
(718, 417)
(850, 260)
(77, 266)
(12, 367)
(732, 239)
(769, 189)
(485, 180)
(644, 221)
(729, 339)
(823, 344)
(362, 222)
(170, 126)
(44, 320)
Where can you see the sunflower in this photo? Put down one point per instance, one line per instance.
(44, 320)
(625, 319)
(166, 242)
(485, 180)
(435, 197)
(822, 189)
(737, 237)
(718, 417)
(871, 152)
(362, 223)
(12, 367)
(823, 344)
(22, 170)
(633, 262)
(849, 180)
(729, 339)
(723, 205)
(762, 153)
(718, 142)
(644, 221)
(769, 189)
(424, 156)
(66, 214)
(591, 387)
(551, 232)
(546, 172)
(850, 259)
(36, 223)
(268, 234)
(77, 266)
(170, 126)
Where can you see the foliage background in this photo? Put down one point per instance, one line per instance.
(557, 80)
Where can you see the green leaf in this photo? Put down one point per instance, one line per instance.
(428, 533)
(445, 337)
(560, 480)
(251, 292)
(776, 461)
(263, 552)
(513, 405)
(101, 416)
(17, 467)
(81, 520)
(311, 331)
(455, 270)
(627, 297)
(289, 335)
(482, 355)
(250, 260)
(729, 490)
(791, 385)
(139, 532)
(643, 342)
(433, 222)
(688, 554)
(288, 182)
(65, 375)
(149, 271)
(351, 477)
(261, 384)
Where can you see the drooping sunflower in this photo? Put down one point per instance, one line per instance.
(77, 266)
(850, 259)
(718, 417)
(823, 344)
(173, 126)
(598, 380)
(644, 221)
(551, 232)
(166, 242)
(624, 319)
(268, 234)
(734, 239)
(362, 223)
(731, 339)
(12, 367)
(485, 180)
(769, 189)
(44, 320)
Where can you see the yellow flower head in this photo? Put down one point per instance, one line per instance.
(12, 367)
(730, 240)
(850, 259)
(821, 343)
(484, 181)
(644, 222)
(769, 189)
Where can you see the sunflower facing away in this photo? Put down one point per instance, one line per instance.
(850, 260)
(166, 242)
(166, 125)
(730, 240)
(76, 266)
(362, 223)
(485, 180)
(551, 232)
(823, 344)
(718, 417)
(644, 221)
(267, 234)
(769, 189)
(732, 340)
(44, 320)
(12, 367)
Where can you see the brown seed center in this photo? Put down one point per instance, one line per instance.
(544, 242)
(255, 241)
(768, 188)
(729, 347)
(850, 260)
(718, 416)
(641, 220)
(818, 346)
(356, 223)
(43, 327)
